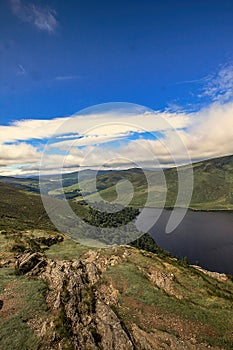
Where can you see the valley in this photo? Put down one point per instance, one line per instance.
(213, 185)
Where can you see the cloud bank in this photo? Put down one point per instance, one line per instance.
(116, 141)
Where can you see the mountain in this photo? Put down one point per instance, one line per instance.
(213, 185)
(22, 210)
(27, 184)
(32, 184)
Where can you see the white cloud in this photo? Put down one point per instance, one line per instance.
(95, 125)
(219, 86)
(17, 154)
(24, 130)
(43, 18)
(206, 134)
(212, 132)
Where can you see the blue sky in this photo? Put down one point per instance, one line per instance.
(104, 51)
(58, 57)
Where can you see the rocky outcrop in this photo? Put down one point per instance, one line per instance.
(221, 277)
(28, 262)
(164, 281)
(113, 335)
(80, 314)
(48, 241)
(83, 309)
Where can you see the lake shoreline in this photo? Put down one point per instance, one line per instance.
(192, 209)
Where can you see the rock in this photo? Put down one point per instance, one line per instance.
(92, 273)
(82, 307)
(221, 277)
(87, 321)
(6, 262)
(28, 261)
(162, 280)
(109, 294)
(49, 240)
(110, 329)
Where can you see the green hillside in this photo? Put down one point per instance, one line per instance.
(27, 184)
(21, 210)
(213, 185)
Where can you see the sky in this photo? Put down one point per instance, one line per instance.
(58, 57)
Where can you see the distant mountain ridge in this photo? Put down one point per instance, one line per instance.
(213, 184)
(212, 190)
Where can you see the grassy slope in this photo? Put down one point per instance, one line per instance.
(24, 300)
(213, 185)
(27, 184)
(21, 210)
(205, 310)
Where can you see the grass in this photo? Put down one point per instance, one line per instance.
(22, 210)
(213, 186)
(66, 250)
(207, 302)
(13, 242)
(23, 300)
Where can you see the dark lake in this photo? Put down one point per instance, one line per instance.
(206, 237)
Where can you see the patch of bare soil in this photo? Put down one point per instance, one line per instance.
(9, 301)
(150, 317)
